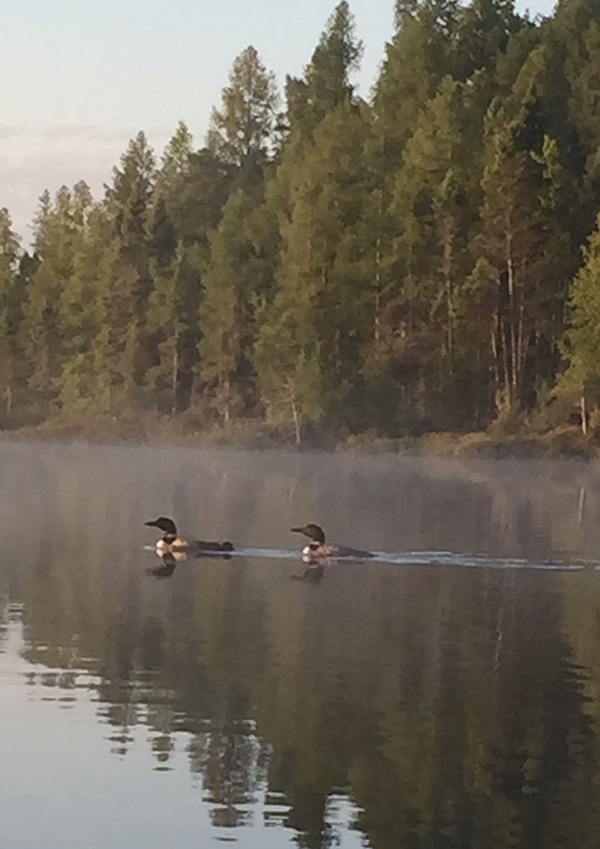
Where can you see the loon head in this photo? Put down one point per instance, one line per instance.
(164, 524)
(168, 527)
(312, 531)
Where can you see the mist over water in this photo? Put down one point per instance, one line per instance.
(444, 694)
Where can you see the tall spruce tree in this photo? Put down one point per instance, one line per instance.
(416, 60)
(581, 341)
(241, 130)
(191, 190)
(238, 278)
(10, 311)
(321, 295)
(521, 238)
(84, 382)
(129, 202)
(326, 82)
(55, 240)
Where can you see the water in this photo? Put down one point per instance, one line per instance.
(445, 694)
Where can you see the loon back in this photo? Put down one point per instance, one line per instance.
(204, 546)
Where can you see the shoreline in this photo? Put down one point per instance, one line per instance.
(563, 443)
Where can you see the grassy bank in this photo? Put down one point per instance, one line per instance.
(563, 442)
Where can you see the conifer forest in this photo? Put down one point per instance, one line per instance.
(425, 258)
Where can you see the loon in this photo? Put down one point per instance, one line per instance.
(171, 543)
(318, 548)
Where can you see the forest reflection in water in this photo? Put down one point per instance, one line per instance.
(416, 705)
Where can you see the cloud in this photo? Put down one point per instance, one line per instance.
(32, 160)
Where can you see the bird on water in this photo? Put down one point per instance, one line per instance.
(318, 548)
(172, 543)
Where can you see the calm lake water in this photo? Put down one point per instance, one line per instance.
(446, 694)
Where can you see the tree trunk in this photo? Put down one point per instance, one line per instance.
(377, 321)
(583, 407)
(511, 339)
(447, 245)
(174, 374)
(296, 422)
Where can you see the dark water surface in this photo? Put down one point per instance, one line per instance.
(446, 694)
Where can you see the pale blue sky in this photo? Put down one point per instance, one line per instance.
(82, 77)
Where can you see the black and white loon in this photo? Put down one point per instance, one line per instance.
(171, 543)
(318, 548)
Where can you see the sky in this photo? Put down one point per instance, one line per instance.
(83, 77)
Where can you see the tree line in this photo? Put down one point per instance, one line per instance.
(427, 259)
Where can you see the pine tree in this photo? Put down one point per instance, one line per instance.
(581, 341)
(317, 321)
(175, 163)
(10, 310)
(55, 236)
(129, 200)
(84, 308)
(130, 206)
(522, 239)
(194, 206)
(241, 130)
(326, 83)
(417, 361)
(415, 62)
(483, 31)
(238, 278)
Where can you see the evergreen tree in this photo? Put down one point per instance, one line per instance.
(419, 361)
(10, 310)
(581, 342)
(130, 205)
(241, 130)
(415, 62)
(326, 82)
(55, 235)
(483, 31)
(321, 295)
(194, 205)
(84, 382)
(577, 29)
(175, 163)
(237, 279)
(522, 240)
(403, 265)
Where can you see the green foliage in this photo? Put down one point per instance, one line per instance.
(402, 265)
(326, 82)
(238, 276)
(240, 132)
(10, 309)
(581, 342)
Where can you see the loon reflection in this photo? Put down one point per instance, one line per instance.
(318, 549)
(167, 567)
(172, 543)
(312, 575)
